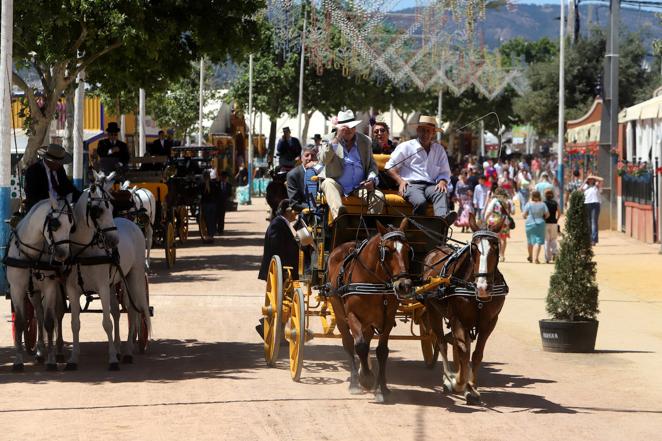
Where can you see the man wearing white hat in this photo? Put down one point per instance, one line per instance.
(420, 167)
(349, 167)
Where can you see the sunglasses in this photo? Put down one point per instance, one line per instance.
(379, 131)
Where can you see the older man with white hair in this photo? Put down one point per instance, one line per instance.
(349, 167)
(420, 167)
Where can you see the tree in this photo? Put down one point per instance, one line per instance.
(573, 291)
(121, 44)
(583, 72)
(178, 106)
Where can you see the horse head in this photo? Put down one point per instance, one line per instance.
(394, 254)
(484, 255)
(57, 226)
(98, 208)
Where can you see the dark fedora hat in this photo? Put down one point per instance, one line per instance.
(113, 127)
(55, 153)
(317, 136)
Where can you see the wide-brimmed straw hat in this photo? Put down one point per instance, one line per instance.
(346, 119)
(427, 121)
(55, 153)
(594, 177)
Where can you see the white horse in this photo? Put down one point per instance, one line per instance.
(98, 269)
(144, 202)
(36, 250)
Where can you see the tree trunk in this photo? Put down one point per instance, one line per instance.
(40, 128)
(306, 125)
(272, 138)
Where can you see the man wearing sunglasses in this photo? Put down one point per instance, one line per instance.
(47, 177)
(420, 167)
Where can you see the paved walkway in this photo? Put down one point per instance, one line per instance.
(204, 376)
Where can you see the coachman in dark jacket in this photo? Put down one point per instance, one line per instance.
(279, 240)
(112, 147)
(37, 183)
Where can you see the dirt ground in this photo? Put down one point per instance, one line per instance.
(204, 376)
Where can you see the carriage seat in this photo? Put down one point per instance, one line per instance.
(395, 204)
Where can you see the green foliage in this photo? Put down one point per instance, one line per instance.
(178, 106)
(583, 72)
(573, 291)
(529, 51)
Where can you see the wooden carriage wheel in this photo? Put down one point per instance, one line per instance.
(182, 223)
(272, 311)
(169, 245)
(30, 331)
(204, 235)
(328, 318)
(295, 330)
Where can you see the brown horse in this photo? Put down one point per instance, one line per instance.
(365, 282)
(471, 303)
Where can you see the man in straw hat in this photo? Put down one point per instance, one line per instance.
(47, 177)
(349, 167)
(112, 148)
(420, 167)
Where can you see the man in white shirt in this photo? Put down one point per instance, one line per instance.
(480, 197)
(420, 167)
(592, 189)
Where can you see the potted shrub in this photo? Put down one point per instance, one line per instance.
(572, 299)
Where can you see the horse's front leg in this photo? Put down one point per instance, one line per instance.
(37, 304)
(149, 232)
(462, 348)
(434, 313)
(115, 313)
(484, 332)
(61, 308)
(362, 348)
(49, 300)
(73, 293)
(104, 294)
(18, 293)
(348, 344)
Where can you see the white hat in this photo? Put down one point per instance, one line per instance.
(346, 119)
(213, 174)
(427, 121)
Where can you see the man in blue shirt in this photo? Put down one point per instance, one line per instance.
(349, 168)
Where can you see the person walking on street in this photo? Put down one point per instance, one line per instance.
(224, 195)
(551, 226)
(480, 197)
(523, 183)
(499, 210)
(209, 196)
(535, 212)
(289, 150)
(592, 189)
(544, 184)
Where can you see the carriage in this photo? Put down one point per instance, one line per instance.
(293, 305)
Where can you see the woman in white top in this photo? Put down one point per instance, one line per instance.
(591, 189)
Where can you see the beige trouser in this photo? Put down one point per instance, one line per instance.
(551, 234)
(333, 194)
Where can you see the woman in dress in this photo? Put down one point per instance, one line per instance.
(498, 211)
(535, 212)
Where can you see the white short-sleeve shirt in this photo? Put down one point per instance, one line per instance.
(414, 164)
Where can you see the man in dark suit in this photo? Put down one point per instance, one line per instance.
(225, 195)
(160, 146)
(47, 177)
(112, 152)
(300, 187)
(288, 149)
(279, 240)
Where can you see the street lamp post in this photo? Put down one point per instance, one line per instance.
(250, 127)
(561, 129)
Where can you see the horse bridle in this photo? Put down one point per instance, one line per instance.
(52, 223)
(492, 238)
(94, 212)
(391, 235)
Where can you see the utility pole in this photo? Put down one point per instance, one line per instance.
(561, 128)
(439, 109)
(301, 68)
(201, 99)
(79, 103)
(6, 42)
(142, 140)
(250, 127)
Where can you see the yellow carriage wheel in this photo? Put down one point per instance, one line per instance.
(170, 251)
(272, 310)
(428, 343)
(328, 318)
(182, 223)
(204, 235)
(295, 332)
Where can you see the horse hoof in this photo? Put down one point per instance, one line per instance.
(472, 400)
(355, 390)
(17, 367)
(367, 381)
(114, 366)
(127, 359)
(71, 367)
(379, 398)
(51, 367)
(448, 387)
(59, 358)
